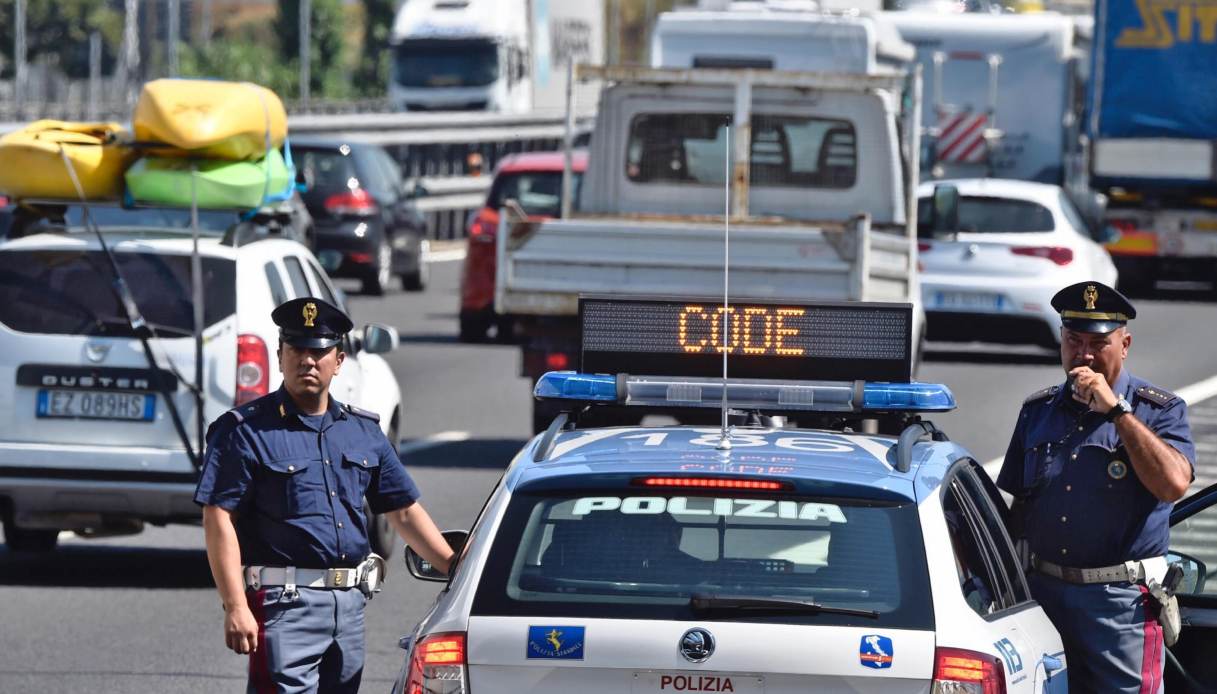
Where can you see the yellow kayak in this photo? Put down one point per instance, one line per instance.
(210, 119)
(31, 165)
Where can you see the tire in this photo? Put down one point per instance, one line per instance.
(417, 281)
(376, 283)
(382, 536)
(30, 539)
(473, 326)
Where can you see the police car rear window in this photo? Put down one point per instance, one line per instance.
(69, 292)
(644, 556)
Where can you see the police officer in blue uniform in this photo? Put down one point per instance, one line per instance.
(1094, 466)
(282, 488)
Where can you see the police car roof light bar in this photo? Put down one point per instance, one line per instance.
(755, 394)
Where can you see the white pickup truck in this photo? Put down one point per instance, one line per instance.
(822, 170)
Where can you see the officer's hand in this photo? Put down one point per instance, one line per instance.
(1091, 389)
(241, 630)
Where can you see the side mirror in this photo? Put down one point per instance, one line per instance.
(1194, 572)
(423, 570)
(378, 339)
(944, 214)
(414, 189)
(304, 180)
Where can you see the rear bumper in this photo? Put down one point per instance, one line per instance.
(71, 487)
(1024, 315)
(351, 238)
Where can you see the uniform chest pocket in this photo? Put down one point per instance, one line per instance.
(1037, 463)
(357, 469)
(1104, 462)
(290, 487)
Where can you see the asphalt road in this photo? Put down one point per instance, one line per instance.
(139, 613)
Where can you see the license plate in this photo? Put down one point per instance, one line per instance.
(696, 682)
(96, 404)
(969, 301)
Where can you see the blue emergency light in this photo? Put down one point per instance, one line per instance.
(758, 394)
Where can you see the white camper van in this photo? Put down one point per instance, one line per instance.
(507, 56)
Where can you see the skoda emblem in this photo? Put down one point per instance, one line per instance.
(697, 645)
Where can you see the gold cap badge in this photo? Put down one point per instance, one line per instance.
(310, 313)
(1089, 295)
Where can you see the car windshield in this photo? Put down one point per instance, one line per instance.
(621, 554)
(538, 192)
(990, 215)
(446, 63)
(54, 218)
(69, 292)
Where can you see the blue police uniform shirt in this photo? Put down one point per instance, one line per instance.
(297, 483)
(1084, 505)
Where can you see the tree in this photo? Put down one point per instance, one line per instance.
(58, 31)
(325, 47)
(372, 74)
(239, 58)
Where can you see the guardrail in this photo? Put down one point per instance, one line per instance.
(449, 201)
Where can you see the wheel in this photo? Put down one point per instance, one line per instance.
(382, 536)
(473, 326)
(417, 281)
(377, 282)
(505, 329)
(30, 539)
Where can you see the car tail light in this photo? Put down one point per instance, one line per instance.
(958, 671)
(437, 665)
(253, 369)
(484, 227)
(353, 202)
(557, 361)
(360, 258)
(922, 246)
(713, 483)
(1057, 254)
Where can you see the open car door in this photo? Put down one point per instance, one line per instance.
(1191, 666)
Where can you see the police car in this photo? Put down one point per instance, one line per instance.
(752, 557)
(96, 433)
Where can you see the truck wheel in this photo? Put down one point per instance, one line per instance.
(474, 325)
(29, 539)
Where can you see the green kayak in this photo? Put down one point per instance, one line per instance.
(219, 183)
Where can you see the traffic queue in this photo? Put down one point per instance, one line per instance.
(805, 524)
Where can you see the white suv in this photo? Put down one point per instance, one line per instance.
(92, 444)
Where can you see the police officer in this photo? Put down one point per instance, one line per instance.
(282, 488)
(1094, 465)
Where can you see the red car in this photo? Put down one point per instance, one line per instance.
(534, 180)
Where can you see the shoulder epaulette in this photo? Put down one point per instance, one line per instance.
(1042, 394)
(238, 415)
(366, 414)
(1156, 395)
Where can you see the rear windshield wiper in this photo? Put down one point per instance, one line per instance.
(708, 602)
(124, 326)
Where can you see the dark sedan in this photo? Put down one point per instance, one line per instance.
(365, 222)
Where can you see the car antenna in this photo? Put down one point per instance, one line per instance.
(724, 440)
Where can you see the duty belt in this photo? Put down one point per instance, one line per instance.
(1130, 571)
(260, 576)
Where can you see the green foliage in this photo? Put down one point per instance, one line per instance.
(328, 22)
(241, 59)
(372, 73)
(59, 30)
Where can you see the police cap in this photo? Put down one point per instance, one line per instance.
(311, 323)
(1092, 307)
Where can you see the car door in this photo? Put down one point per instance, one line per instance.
(994, 586)
(1191, 667)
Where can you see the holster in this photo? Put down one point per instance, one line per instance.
(371, 575)
(1168, 611)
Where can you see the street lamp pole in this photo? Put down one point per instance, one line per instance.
(19, 55)
(306, 40)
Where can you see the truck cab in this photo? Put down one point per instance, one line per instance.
(460, 55)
